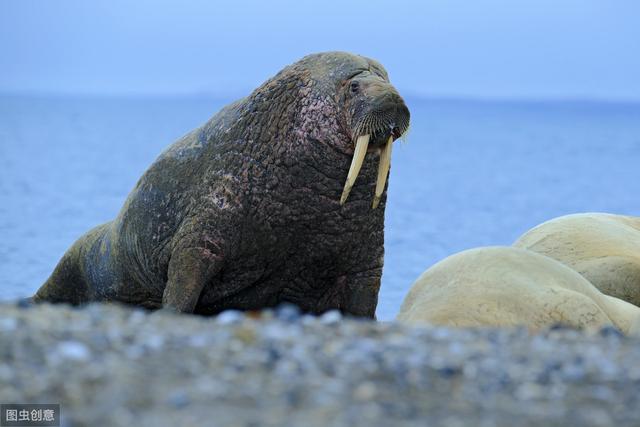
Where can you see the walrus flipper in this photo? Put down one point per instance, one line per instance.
(197, 258)
(189, 271)
(361, 296)
(68, 283)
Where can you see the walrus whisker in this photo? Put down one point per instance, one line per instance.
(383, 171)
(356, 163)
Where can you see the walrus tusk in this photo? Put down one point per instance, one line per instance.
(383, 171)
(358, 157)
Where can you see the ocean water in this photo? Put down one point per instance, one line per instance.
(470, 174)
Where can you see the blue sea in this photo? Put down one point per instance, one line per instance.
(471, 173)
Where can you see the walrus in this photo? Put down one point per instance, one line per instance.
(507, 287)
(604, 248)
(259, 206)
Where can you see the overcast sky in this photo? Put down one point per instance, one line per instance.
(476, 48)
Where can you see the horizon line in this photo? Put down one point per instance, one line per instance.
(443, 97)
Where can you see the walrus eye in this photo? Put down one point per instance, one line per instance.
(355, 87)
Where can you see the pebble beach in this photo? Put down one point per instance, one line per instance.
(120, 366)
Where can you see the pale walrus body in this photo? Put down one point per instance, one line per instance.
(604, 248)
(246, 211)
(503, 286)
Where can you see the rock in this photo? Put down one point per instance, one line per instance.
(332, 316)
(288, 312)
(229, 316)
(73, 350)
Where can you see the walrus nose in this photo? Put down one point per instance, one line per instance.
(392, 106)
(388, 100)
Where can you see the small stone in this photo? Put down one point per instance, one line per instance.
(6, 373)
(450, 371)
(445, 333)
(179, 399)
(245, 335)
(137, 316)
(154, 342)
(277, 332)
(73, 350)
(199, 340)
(229, 316)
(530, 391)
(332, 316)
(288, 312)
(365, 391)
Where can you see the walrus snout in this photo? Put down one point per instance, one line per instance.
(393, 120)
(382, 114)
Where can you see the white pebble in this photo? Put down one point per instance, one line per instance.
(154, 342)
(229, 316)
(199, 340)
(332, 316)
(365, 391)
(73, 350)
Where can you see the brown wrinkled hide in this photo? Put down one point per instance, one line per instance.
(244, 212)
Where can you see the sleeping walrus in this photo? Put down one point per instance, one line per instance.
(506, 287)
(604, 248)
(258, 206)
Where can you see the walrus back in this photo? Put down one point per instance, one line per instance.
(68, 283)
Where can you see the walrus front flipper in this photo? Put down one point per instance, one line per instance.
(361, 293)
(189, 271)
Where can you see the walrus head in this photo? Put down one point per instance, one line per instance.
(378, 116)
(344, 90)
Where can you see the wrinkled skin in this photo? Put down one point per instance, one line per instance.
(244, 213)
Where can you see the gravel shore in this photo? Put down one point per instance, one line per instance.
(113, 366)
